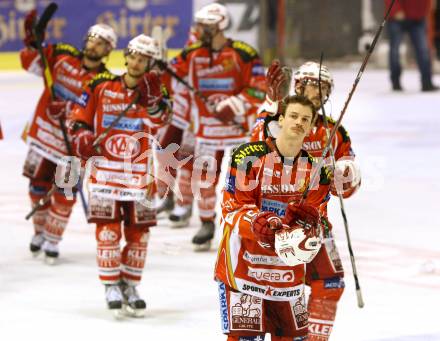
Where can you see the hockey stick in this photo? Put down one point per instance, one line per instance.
(39, 29)
(344, 109)
(360, 300)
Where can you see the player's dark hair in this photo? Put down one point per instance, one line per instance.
(297, 99)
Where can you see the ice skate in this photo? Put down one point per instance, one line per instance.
(113, 296)
(50, 252)
(164, 207)
(203, 237)
(133, 304)
(36, 243)
(180, 216)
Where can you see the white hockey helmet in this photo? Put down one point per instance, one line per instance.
(213, 14)
(295, 246)
(310, 71)
(144, 45)
(105, 32)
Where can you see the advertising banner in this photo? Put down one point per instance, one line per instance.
(70, 23)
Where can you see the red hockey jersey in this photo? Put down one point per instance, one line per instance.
(234, 70)
(268, 184)
(127, 167)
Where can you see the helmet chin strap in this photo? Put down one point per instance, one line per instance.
(150, 64)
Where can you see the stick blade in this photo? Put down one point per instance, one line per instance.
(48, 13)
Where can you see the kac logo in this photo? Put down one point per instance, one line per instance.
(123, 146)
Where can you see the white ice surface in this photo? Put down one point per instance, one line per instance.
(394, 221)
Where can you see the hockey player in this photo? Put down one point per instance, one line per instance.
(325, 273)
(230, 83)
(70, 69)
(115, 194)
(261, 291)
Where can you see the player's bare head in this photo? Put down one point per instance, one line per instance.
(141, 53)
(297, 118)
(297, 99)
(307, 79)
(211, 20)
(101, 39)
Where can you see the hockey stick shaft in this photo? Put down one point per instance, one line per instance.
(317, 171)
(360, 300)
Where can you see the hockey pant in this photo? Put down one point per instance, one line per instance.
(52, 218)
(205, 177)
(247, 317)
(325, 277)
(115, 264)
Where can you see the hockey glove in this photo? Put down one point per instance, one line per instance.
(231, 110)
(57, 109)
(30, 40)
(264, 226)
(277, 82)
(346, 179)
(150, 93)
(301, 214)
(82, 144)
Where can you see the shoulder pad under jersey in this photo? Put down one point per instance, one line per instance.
(68, 49)
(256, 149)
(329, 120)
(246, 52)
(344, 133)
(191, 48)
(341, 130)
(100, 78)
(326, 175)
